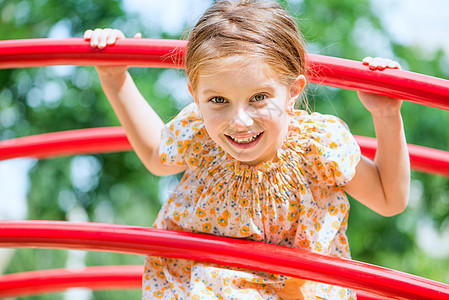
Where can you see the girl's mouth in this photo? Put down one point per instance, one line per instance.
(245, 142)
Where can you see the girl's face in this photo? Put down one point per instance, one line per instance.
(245, 110)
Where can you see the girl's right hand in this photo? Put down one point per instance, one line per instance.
(101, 38)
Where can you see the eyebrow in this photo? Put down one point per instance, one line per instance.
(269, 88)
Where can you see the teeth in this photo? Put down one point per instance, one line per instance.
(245, 140)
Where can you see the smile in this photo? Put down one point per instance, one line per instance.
(245, 142)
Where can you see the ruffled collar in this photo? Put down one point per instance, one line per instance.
(290, 153)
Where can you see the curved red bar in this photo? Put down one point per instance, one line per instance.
(66, 143)
(226, 251)
(113, 139)
(75, 51)
(51, 281)
(93, 278)
(337, 72)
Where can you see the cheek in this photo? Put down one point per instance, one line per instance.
(213, 122)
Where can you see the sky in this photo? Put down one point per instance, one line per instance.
(411, 22)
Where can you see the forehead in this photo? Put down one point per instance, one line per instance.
(236, 73)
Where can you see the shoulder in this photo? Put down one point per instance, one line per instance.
(330, 150)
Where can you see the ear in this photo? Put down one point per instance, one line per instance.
(192, 92)
(296, 89)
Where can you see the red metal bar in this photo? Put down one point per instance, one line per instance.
(337, 72)
(152, 53)
(113, 139)
(57, 280)
(93, 278)
(226, 251)
(422, 159)
(66, 143)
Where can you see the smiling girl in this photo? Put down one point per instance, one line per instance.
(254, 166)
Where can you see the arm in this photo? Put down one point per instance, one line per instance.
(142, 125)
(383, 184)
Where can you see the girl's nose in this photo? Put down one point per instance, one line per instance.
(242, 118)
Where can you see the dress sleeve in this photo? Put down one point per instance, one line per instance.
(180, 136)
(330, 149)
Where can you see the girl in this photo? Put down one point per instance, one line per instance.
(254, 167)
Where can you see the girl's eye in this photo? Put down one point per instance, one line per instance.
(259, 97)
(218, 100)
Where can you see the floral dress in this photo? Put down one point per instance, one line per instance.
(297, 201)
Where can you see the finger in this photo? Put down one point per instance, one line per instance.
(366, 61)
(393, 65)
(138, 35)
(378, 63)
(103, 37)
(87, 34)
(94, 38)
(114, 35)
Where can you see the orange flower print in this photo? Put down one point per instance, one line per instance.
(291, 216)
(169, 141)
(335, 224)
(156, 265)
(208, 290)
(337, 173)
(207, 227)
(193, 161)
(160, 274)
(185, 122)
(163, 157)
(332, 210)
(309, 212)
(343, 240)
(200, 212)
(196, 297)
(222, 221)
(267, 290)
(305, 243)
(158, 294)
(257, 280)
(182, 146)
(274, 228)
(333, 145)
(200, 189)
(343, 207)
(302, 189)
(226, 214)
(244, 230)
(293, 207)
(201, 133)
(318, 247)
(177, 215)
(244, 202)
(197, 147)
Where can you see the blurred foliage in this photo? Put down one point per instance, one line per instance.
(116, 188)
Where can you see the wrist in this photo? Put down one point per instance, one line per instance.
(390, 122)
(114, 78)
(386, 115)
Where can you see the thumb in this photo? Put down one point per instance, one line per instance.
(138, 35)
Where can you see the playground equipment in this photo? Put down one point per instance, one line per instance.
(371, 282)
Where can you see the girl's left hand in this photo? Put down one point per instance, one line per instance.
(376, 104)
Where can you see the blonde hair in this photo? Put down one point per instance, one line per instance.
(243, 31)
